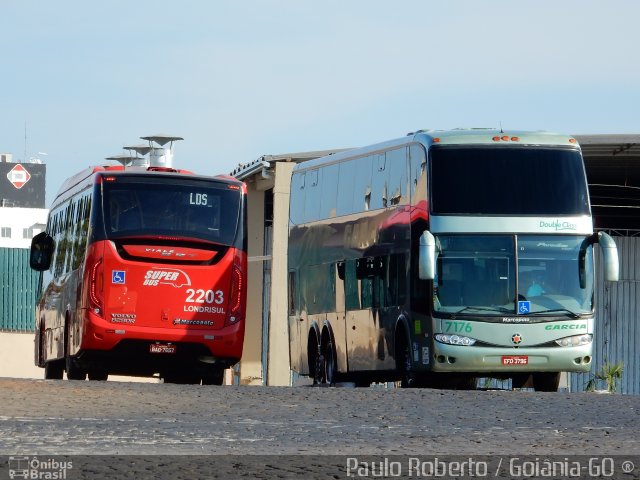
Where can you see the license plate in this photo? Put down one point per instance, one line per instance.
(515, 360)
(162, 348)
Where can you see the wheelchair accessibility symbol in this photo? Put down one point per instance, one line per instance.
(524, 308)
(118, 277)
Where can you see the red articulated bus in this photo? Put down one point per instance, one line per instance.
(143, 272)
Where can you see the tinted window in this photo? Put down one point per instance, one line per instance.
(328, 201)
(397, 166)
(296, 205)
(380, 182)
(508, 181)
(313, 195)
(362, 188)
(345, 188)
(135, 206)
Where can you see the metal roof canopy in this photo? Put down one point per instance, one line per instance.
(612, 162)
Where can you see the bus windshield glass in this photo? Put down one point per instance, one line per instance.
(191, 209)
(507, 181)
(479, 275)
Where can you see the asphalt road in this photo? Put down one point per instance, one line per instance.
(46, 418)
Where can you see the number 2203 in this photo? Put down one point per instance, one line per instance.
(457, 327)
(205, 296)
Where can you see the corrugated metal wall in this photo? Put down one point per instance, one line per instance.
(19, 290)
(617, 332)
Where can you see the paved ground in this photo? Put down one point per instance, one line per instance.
(39, 417)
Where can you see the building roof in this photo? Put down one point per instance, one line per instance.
(612, 162)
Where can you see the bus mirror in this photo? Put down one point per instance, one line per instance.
(41, 252)
(427, 257)
(610, 253)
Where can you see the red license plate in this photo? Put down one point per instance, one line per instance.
(162, 348)
(515, 360)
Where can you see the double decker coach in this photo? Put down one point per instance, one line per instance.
(143, 273)
(444, 256)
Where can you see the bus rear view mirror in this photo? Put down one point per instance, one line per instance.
(611, 266)
(427, 256)
(41, 252)
(610, 253)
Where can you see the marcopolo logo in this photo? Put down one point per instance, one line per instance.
(169, 276)
(558, 225)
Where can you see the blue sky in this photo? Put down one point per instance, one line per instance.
(239, 79)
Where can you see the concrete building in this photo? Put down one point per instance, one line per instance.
(22, 215)
(613, 171)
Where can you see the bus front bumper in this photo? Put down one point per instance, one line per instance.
(456, 358)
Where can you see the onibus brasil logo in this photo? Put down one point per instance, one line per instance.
(41, 469)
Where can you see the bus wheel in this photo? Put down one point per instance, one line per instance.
(98, 375)
(546, 381)
(330, 365)
(521, 380)
(74, 372)
(215, 376)
(181, 378)
(404, 362)
(53, 370)
(465, 382)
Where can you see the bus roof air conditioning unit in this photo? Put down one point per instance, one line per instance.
(125, 160)
(163, 156)
(139, 160)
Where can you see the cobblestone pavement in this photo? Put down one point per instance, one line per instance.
(39, 417)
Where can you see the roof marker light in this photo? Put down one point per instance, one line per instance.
(496, 139)
(436, 140)
(515, 139)
(505, 138)
(572, 140)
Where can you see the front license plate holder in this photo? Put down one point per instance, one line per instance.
(162, 348)
(514, 360)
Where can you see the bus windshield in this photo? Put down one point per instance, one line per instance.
(508, 181)
(185, 208)
(479, 275)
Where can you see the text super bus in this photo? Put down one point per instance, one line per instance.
(444, 256)
(143, 273)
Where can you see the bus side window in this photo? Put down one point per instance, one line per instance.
(397, 166)
(297, 201)
(418, 162)
(292, 293)
(346, 180)
(362, 193)
(380, 195)
(352, 299)
(328, 201)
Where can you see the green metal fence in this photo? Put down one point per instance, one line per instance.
(19, 285)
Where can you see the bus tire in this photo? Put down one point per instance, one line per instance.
(546, 381)
(521, 380)
(54, 370)
(98, 375)
(181, 378)
(404, 361)
(215, 376)
(74, 372)
(330, 363)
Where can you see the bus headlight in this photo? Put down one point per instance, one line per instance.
(575, 341)
(454, 339)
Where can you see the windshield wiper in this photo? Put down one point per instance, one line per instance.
(566, 311)
(482, 309)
